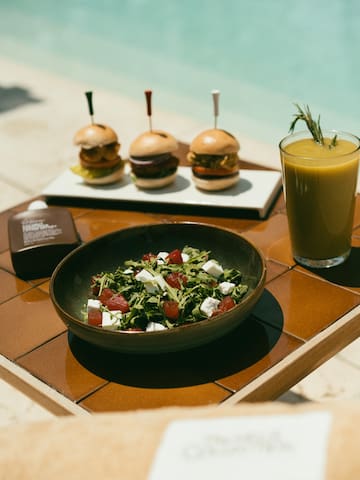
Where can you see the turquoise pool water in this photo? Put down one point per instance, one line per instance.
(262, 55)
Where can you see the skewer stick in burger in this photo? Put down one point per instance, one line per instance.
(99, 159)
(152, 161)
(214, 156)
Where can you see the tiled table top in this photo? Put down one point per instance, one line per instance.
(302, 319)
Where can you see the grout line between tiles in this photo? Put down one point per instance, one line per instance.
(19, 357)
(37, 390)
(279, 370)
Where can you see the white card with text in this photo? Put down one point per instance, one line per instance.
(281, 447)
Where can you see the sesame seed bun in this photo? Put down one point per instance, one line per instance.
(95, 135)
(214, 142)
(155, 142)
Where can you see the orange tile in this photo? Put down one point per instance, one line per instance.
(145, 380)
(236, 224)
(276, 346)
(304, 303)
(5, 261)
(27, 321)
(168, 370)
(10, 286)
(274, 270)
(185, 378)
(44, 286)
(37, 282)
(64, 203)
(114, 397)
(55, 364)
(272, 237)
(347, 274)
(101, 222)
(75, 211)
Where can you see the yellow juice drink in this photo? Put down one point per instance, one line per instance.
(320, 187)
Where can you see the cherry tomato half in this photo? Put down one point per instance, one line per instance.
(171, 309)
(95, 318)
(175, 257)
(176, 280)
(227, 303)
(117, 302)
(147, 257)
(106, 294)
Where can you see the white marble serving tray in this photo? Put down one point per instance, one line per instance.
(255, 190)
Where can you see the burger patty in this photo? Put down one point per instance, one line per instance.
(210, 174)
(228, 161)
(205, 172)
(156, 166)
(101, 153)
(101, 163)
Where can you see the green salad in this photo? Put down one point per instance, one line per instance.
(162, 291)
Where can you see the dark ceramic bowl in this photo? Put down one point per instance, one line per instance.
(69, 286)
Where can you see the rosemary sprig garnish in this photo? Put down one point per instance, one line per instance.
(313, 126)
(333, 142)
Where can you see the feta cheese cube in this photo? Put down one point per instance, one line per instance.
(151, 287)
(144, 276)
(213, 268)
(128, 271)
(155, 327)
(185, 257)
(93, 305)
(209, 305)
(161, 257)
(159, 279)
(111, 320)
(226, 287)
(148, 280)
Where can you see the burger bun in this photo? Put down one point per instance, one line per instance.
(153, 183)
(95, 135)
(215, 184)
(113, 177)
(214, 142)
(154, 142)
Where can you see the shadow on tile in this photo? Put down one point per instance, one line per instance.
(233, 353)
(346, 274)
(14, 97)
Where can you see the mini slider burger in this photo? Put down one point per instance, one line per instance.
(214, 157)
(214, 160)
(151, 156)
(99, 159)
(152, 162)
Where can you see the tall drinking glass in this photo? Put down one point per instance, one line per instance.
(320, 189)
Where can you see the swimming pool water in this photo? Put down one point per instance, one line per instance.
(262, 55)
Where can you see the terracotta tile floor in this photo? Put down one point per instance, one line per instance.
(37, 144)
